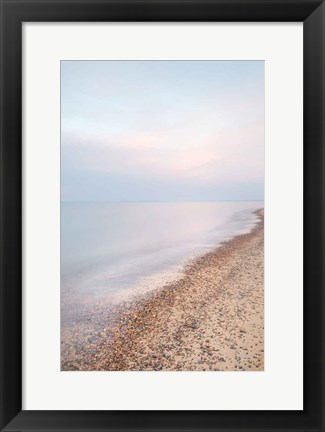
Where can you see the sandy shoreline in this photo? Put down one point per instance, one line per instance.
(211, 319)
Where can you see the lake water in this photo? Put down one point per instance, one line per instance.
(112, 247)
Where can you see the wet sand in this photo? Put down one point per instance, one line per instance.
(210, 319)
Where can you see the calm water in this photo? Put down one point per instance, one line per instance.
(110, 247)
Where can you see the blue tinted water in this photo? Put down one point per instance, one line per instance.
(109, 247)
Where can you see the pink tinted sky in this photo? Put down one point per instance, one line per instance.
(169, 131)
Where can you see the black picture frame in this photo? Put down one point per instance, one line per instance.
(13, 14)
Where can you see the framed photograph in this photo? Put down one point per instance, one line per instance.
(162, 195)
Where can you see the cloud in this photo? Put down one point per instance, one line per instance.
(224, 156)
(202, 143)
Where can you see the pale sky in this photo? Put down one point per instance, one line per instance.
(162, 130)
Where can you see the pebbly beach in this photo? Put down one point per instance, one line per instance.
(211, 319)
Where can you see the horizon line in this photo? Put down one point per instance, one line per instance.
(156, 201)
